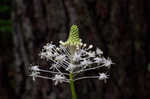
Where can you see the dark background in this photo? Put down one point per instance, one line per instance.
(121, 28)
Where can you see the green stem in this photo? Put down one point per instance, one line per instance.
(72, 87)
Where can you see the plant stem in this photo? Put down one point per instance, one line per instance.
(72, 87)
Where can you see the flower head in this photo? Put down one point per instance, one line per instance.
(71, 57)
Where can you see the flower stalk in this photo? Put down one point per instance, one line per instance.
(72, 86)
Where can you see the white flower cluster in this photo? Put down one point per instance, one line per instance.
(68, 59)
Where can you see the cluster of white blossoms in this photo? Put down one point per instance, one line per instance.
(75, 59)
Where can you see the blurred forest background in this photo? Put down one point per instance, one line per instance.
(121, 28)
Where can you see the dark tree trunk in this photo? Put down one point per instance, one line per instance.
(119, 27)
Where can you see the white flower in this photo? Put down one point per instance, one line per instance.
(58, 79)
(98, 60)
(103, 76)
(107, 62)
(48, 55)
(86, 63)
(62, 43)
(72, 67)
(54, 66)
(43, 55)
(34, 75)
(90, 46)
(60, 58)
(35, 68)
(91, 54)
(99, 51)
(76, 57)
(49, 47)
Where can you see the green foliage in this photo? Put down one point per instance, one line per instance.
(5, 22)
(6, 29)
(148, 67)
(5, 25)
(4, 9)
(5, 18)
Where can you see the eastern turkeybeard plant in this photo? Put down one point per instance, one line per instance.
(70, 59)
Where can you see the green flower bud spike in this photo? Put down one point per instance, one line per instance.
(73, 39)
